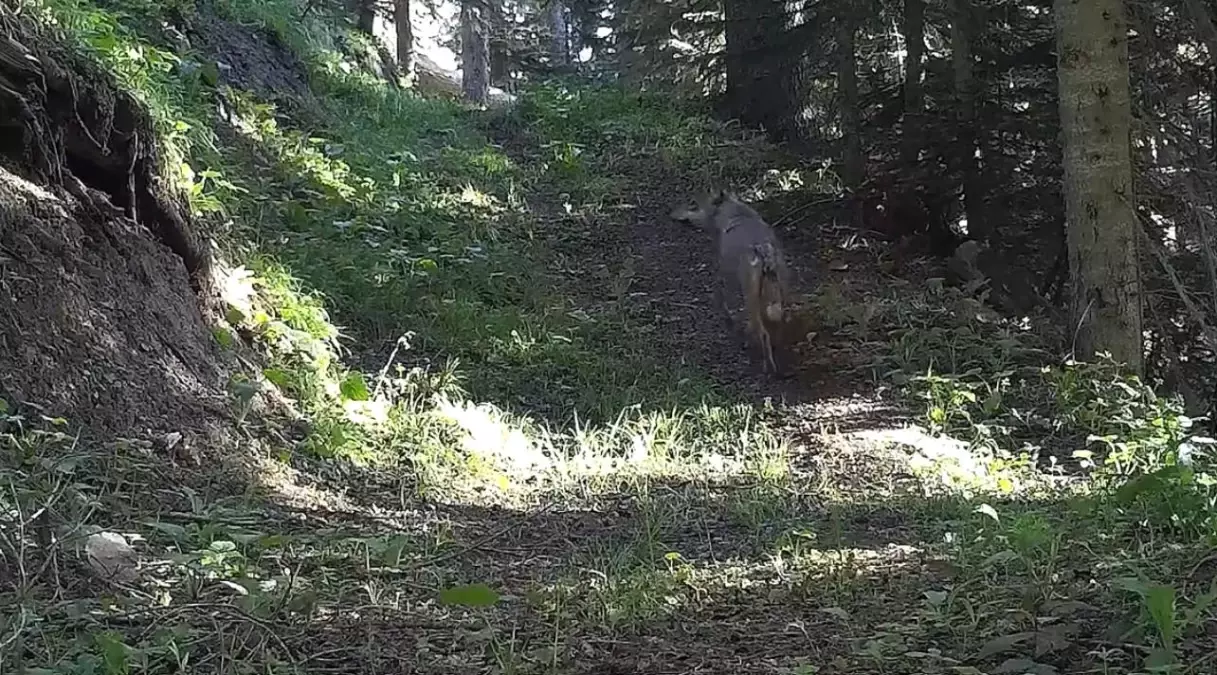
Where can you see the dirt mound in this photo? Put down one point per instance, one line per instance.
(97, 319)
(251, 58)
(100, 271)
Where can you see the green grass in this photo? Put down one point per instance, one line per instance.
(483, 407)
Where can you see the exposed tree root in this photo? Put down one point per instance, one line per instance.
(68, 123)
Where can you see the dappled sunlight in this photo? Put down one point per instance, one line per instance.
(289, 487)
(12, 182)
(235, 286)
(486, 433)
(945, 464)
(635, 447)
(672, 586)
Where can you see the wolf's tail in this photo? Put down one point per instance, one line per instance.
(765, 261)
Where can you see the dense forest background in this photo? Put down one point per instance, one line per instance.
(934, 120)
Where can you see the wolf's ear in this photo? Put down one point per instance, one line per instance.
(719, 196)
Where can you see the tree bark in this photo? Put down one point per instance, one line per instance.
(499, 75)
(559, 35)
(1208, 35)
(365, 17)
(1092, 69)
(405, 40)
(475, 48)
(738, 39)
(763, 67)
(851, 118)
(914, 98)
(965, 118)
(625, 34)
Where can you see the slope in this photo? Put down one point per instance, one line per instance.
(477, 416)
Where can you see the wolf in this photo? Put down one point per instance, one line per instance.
(752, 265)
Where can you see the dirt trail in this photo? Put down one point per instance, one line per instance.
(599, 600)
(667, 270)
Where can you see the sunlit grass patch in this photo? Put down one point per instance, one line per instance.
(514, 455)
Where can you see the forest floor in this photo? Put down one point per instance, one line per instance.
(497, 427)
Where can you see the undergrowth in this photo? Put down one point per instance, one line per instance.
(547, 490)
(390, 215)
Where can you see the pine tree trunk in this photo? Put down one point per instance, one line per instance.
(475, 57)
(965, 111)
(738, 42)
(405, 40)
(914, 99)
(625, 32)
(499, 76)
(559, 35)
(1092, 67)
(365, 17)
(851, 119)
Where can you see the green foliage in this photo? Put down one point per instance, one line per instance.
(986, 381)
(472, 595)
(385, 210)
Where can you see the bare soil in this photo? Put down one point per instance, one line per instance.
(103, 282)
(98, 322)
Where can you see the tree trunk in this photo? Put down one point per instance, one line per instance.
(365, 17)
(475, 56)
(1092, 67)
(405, 40)
(851, 118)
(1208, 35)
(574, 28)
(763, 66)
(965, 118)
(914, 99)
(738, 41)
(625, 34)
(559, 35)
(499, 76)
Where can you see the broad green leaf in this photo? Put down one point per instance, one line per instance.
(277, 376)
(172, 529)
(210, 73)
(1132, 585)
(472, 595)
(354, 388)
(114, 653)
(1160, 600)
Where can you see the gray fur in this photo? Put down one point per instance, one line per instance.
(745, 242)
